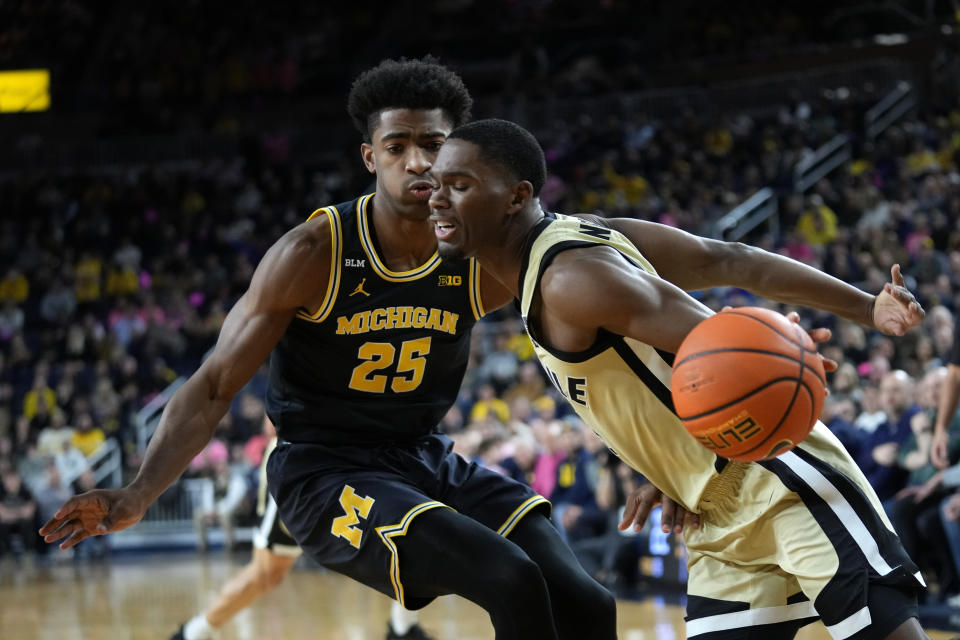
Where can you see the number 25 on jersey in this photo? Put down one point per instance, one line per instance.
(380, 357)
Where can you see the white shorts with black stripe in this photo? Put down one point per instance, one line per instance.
(272, 535)
(802, 537)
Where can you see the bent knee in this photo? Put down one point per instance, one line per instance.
(518, 573)
(271, 577)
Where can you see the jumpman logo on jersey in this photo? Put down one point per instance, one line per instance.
(359, 289)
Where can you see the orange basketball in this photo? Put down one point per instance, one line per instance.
(748, 384)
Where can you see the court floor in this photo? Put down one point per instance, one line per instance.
(145, 597)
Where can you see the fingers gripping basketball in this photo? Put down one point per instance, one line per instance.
(748, 384)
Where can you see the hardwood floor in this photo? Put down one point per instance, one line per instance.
(147, 597)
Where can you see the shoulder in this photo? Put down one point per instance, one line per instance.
(297, 266)
(579, 276)
(308, 241)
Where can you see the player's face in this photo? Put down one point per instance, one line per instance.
(470, 200)
(403, 149)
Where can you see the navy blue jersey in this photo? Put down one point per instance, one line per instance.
(383, 357)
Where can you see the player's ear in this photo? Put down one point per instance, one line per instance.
(522, 194)
(366, 152)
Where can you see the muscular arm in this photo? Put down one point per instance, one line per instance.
(284, 281)
(693, 262)
(293, 274)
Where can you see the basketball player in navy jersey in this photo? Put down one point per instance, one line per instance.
(369, 335)
(782, 542)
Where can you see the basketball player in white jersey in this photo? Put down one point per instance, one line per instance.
(782, 542)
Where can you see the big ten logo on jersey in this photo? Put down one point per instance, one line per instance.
(354, 508)
(450, 281)
(573, 389)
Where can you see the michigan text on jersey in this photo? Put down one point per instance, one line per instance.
(398, 318)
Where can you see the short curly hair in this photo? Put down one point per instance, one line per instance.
(421, 83)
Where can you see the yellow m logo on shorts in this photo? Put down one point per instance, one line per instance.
(353, 506)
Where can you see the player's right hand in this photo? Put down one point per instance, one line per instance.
(93, 513)
(672, 516)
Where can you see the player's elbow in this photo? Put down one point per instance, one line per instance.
(217, 386)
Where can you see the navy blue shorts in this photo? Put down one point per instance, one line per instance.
(347, 506)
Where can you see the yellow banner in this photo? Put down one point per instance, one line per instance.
(24, 90)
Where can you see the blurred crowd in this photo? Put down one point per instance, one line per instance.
(114, 283)
(219, 66)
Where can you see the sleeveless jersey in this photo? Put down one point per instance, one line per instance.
(383, 357)
(619, 386)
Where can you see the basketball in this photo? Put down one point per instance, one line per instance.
(748, 384)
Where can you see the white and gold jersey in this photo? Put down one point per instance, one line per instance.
(782, 542)
(620, 386)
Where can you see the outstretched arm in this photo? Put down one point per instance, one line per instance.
(594, 288)
(693, 262)
(251, 330)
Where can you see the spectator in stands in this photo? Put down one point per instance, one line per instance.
(11, 319)
(846, 381)
(488, 404)
(51, 440)
(545, 407)
(838, 414)
(18, 513)
(86, 437)
(489, 454)
(499, 365)
(915, 509)
(87, 283)
(871, 413)
(612, 556)
(575, 510)
(879, 457)
(121, 281)
(547, 435)
(520, 464)
(14, 286)
(40, 394)
(529, 383)
(818, 222)
(58, 304)
(222, 505)
(521, 410)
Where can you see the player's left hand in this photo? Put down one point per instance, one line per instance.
(895, 309)
(672, 516)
